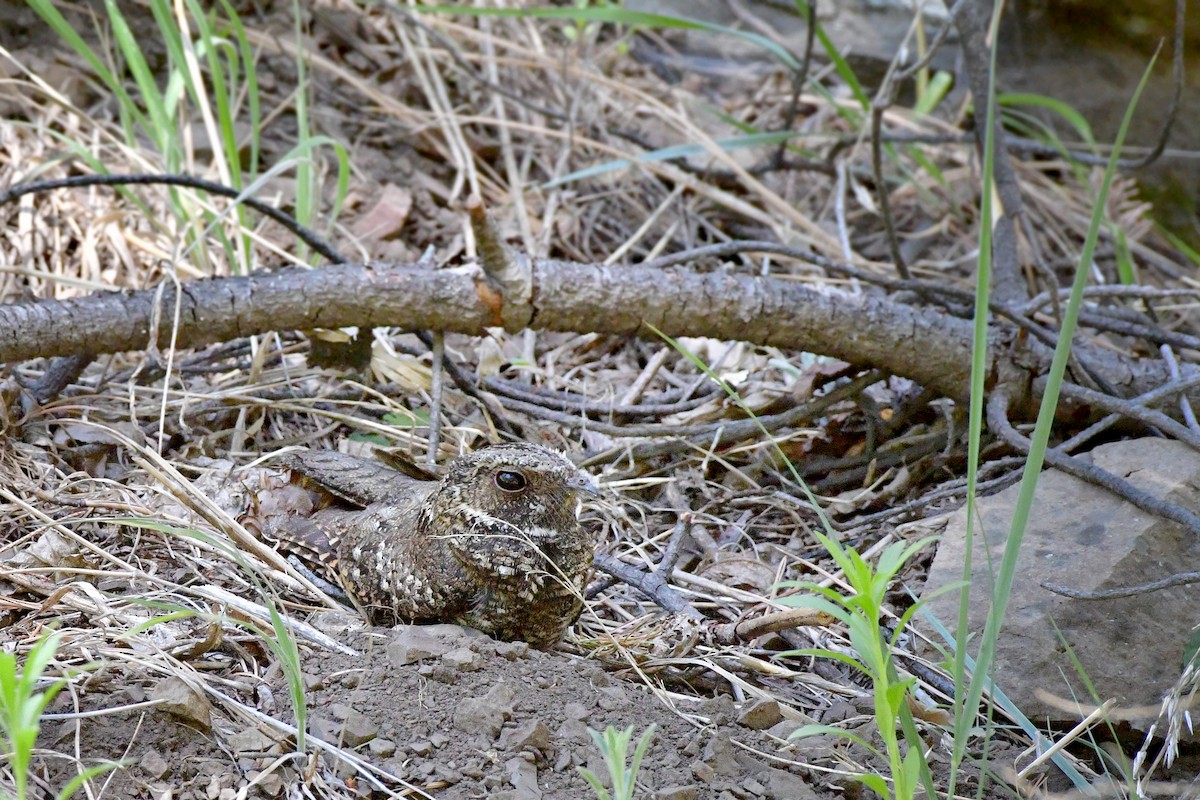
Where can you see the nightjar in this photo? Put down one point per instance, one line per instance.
(496, 544)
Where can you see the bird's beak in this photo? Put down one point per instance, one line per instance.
(583, 483)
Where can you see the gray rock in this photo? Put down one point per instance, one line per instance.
(612, 697)
(175, 696)
(783, 785)
(576, 711)
(720, 710)
(784, 729)
(486, 714)
(721, 755)
(760, 715)
(689, 792)
(323, 727)
(358, 729)
(522, 775)
(532, 733)
(462, 659)
(154, 764)
(1086, 538)
(413, 643)
(754, 787)
(512, 651)
(383, 748)
(249, 740)
(336, 623)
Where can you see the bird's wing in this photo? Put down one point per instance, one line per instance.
(357, 480)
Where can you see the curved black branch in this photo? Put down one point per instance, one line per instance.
(997, 419)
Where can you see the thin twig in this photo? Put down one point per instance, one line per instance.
(997, 418)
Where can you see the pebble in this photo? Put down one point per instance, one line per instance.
(522, 775)
(754, 787)
(612, 698)
(783, 785)
(576, 711)
(487, 713)
(689, 792)
(760, 715)
(383, 748)
(512, 651)
(439, 740)
(154, 764)
(530, 734)
(413, 643)
(358, 729)
(721, 755)
(703, 772)
(720, 710)
(462, 659)
(176, 697)
(249, 740)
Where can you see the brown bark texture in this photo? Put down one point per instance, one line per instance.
(921, 343)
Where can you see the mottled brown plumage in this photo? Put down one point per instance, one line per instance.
(495, 544)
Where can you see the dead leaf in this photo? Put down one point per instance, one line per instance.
(387, 217)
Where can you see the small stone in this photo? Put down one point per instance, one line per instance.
(783, 785)
(688, 792)
(358, 729)
(721, 755)
(760, 715)
(413, 643)
(175, 696)
(462, 659)
(455, 635)
(754, 787)
(530, 734)
(573, 730)
(439, 740)
(249, 740)
(838, 711)
(154, 764)
(720, 710)
(784, 729)
(576, 711)
(312, 683)
(522, 775)
(612, 697)
(703, 772)
(324, 728)
(487, 713)
(384, 748)
(336, 624)
(339, 711)
(420, 747)
(473, 769)
(271, 785)
(512, 651)
(445, 772)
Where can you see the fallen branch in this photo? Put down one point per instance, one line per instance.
(926, 345)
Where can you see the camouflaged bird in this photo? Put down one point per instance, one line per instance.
(496, 544)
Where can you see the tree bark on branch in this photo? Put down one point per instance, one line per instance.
(921, 343)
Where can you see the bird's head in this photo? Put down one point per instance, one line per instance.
(507, 500)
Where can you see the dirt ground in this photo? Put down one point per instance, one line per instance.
(450, 713)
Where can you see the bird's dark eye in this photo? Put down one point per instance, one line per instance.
(510, 480)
